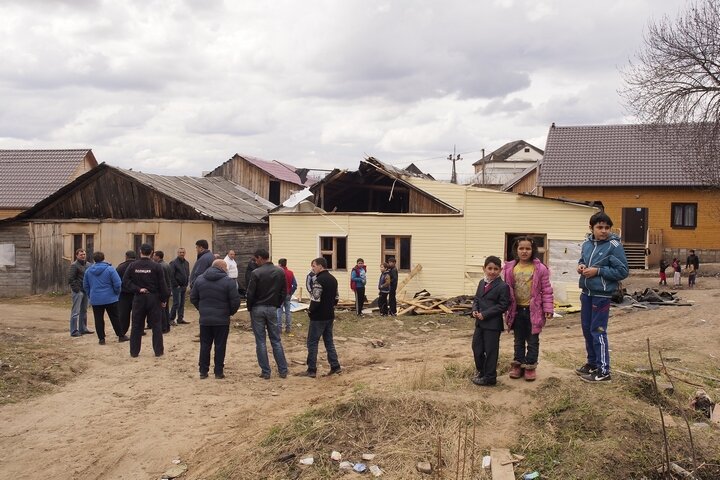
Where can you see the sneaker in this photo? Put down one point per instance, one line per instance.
(334, 371)
(219, 376)
(283, 375)
(101, 341)
(585, 369)
(124, 338)
(87, 332)
(596, 377)
(482, 381)
(203, 376)
(264, 376)
(182, 322)
(307, 373)
(76, 334)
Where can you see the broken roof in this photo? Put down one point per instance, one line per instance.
(28, 176)
(281, 171)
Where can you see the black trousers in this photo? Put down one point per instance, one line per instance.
(99, 314)
(124, 309)
(383, 303)
(209, 335)
(359, 299)
(522, 329)
(393, 302)
(486, 348)
(146, 306)
(166, 316)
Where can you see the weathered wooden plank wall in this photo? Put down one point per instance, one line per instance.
(239, 171)
(49, 269)
(16, 280)
(244, 239)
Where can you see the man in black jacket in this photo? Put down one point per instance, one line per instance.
(78, 312)
(180, 269)
(216, 297)
(265, 294)
(392, 300)
(146, 279)
(205, 258)
(324, 297)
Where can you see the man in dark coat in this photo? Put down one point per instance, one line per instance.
(126, 297)
(158, 257)
(204, 260)
(146, 279)
(324, 297)
(78, 312)
(265, 294)
(216, 297)
(392, 300)
(180, 269)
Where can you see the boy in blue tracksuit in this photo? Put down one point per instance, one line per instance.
(601, 266)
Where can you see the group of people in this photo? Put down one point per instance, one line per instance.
(692, 265)
(519, 297)
(387, 286)
(515, 296)
(137, 293)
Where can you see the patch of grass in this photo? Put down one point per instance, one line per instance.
(400, 428)
(29, 367)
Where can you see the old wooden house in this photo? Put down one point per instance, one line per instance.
(500, 166)
(272, 180)
(28, 176)
(113, 210)
(440, 231)
(643, 183)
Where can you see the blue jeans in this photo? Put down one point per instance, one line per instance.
(594, 314)
(78, 313)
(178, 306)
(316, 330)
(288, 314)
(264, 318)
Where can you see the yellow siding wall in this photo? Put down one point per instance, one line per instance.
(115, 238)
(451, 248)
(657, 201)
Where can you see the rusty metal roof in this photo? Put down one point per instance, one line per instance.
(28, 176)
(279, 170)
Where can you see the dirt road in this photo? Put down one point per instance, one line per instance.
(128, 418)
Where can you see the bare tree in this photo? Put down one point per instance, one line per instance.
(675, 79)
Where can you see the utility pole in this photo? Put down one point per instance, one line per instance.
(482, 152)
(453, 157)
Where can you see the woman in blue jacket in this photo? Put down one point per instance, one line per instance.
(102, 284)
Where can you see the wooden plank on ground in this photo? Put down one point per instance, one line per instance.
(500, 471)
(444, 308)
(406, 310)
(409, 277)
(715, 418)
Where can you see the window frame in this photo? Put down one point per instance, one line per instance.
(80, 240)
(335, 263)
(403, 264)
(684, 225)
(143, 239)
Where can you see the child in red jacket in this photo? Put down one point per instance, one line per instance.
(531, 305)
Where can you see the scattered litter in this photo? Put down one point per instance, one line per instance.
(175, 471)
(368, 456)
(377, 343)
(375, 470)
(424, 467)
(307, 461)
(486, 461)
(360, 467)
(286, 456)
(345, 465)
(335, 455)
(703, 403)
(177, 461)
(531, 476)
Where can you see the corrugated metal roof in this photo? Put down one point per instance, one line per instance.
(279, 170)
(28, 176)
(215, 197)
(615, 155)
(507, 150)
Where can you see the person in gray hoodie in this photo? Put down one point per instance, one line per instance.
(216, 297)
(102, 284)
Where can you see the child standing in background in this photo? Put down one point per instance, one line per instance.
(692, 273)
(676, 272)
(663, 267)
(531, 305)
(491, 301)
(384, 290)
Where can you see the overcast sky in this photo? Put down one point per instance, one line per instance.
(177, 87)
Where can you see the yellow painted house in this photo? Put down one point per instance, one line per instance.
(642, 178)
(448, 229)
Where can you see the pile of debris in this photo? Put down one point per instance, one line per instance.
(652, 298)
(424, 303)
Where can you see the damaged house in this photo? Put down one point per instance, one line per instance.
(440, 233)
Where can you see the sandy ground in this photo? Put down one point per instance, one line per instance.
(125, 418)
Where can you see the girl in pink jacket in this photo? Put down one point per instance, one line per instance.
(531, 304)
